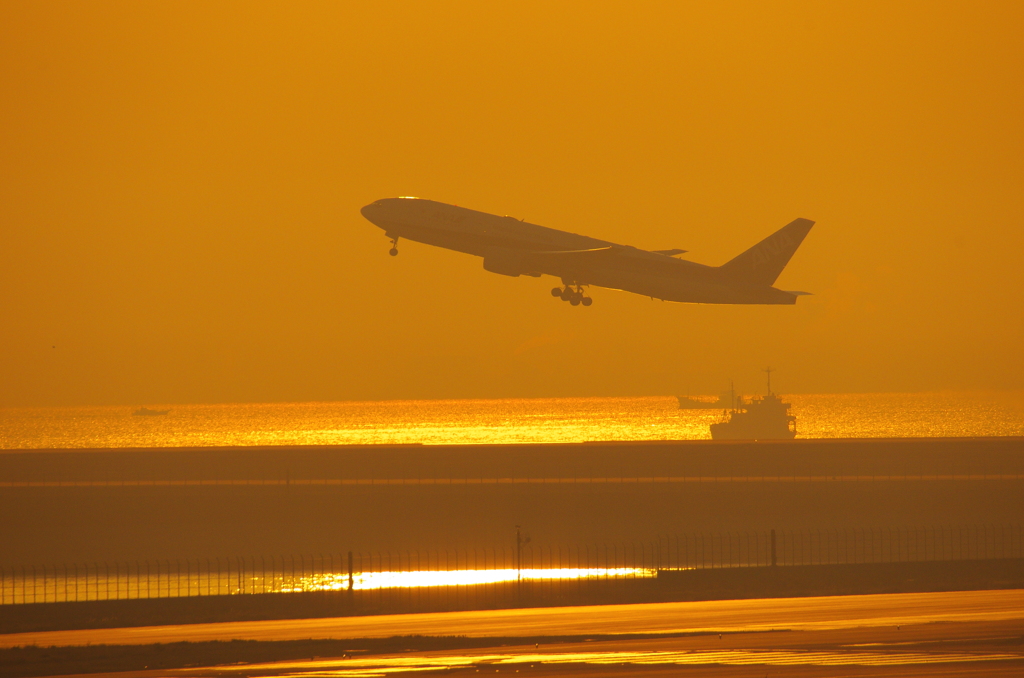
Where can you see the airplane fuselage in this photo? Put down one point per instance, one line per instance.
(513, 247)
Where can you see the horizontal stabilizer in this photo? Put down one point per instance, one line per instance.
(762, 263)
(669, 253)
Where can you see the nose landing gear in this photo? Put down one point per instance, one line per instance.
(573, 294)
(394, 247)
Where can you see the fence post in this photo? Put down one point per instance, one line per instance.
(774, 561)
(350, 577)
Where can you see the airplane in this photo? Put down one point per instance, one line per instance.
(513, 247)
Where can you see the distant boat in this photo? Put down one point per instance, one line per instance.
(765, 418)
(726, 401)
(146, 412)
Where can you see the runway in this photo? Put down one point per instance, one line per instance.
(580, 480)
(564, 494)
(727, 616)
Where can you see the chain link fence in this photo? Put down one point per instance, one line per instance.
(501, 566)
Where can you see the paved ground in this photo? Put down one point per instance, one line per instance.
(729, 616)
(987, 649)
(977, 633)
(992, 649)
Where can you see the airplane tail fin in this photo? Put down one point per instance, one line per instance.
(762, 263)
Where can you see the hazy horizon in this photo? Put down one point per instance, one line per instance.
(181, 189)
(752, 391)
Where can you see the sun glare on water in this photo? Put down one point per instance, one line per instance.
(510, 421)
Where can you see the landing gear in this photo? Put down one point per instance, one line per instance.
(573, 293)
(394, 247)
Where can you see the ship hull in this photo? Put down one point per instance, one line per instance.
(729, 431)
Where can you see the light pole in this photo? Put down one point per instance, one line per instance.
(520, 540)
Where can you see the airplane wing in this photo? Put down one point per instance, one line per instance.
(576, 262)
(601, 252)
(577, 255)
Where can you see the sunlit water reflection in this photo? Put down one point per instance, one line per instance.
(539, 420)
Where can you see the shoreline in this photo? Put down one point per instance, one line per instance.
(512, 445)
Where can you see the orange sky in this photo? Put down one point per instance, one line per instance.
(181, 183)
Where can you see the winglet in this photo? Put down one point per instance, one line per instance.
(762, 263)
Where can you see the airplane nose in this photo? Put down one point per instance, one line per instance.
(369, 211)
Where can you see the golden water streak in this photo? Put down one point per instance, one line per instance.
(512, 481)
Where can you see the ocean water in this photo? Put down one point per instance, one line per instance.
(532, 420)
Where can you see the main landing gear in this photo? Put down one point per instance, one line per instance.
(573, 294)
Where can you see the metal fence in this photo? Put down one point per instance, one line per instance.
(497, 566)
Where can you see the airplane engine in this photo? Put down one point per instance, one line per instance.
(508, 262)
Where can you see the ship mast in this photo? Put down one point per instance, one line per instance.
(769, 371)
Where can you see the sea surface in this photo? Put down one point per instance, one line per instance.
(527, 420)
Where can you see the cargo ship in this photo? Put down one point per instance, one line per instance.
(764, 418)
(146, 412)
(726, 401)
